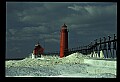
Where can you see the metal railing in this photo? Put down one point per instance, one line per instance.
(106, 46)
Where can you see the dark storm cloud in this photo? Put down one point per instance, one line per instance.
(92, 14)
(30, 32)
(49, 12)
(20, 6)
(93, 19)
(29, 22)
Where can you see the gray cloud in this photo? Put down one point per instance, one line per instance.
(39, 29)
(91, 14)
(30, 33)
(52, 40)
(12, 31)
(29, 22)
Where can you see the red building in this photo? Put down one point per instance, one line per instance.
(38, 50)
(63, 41)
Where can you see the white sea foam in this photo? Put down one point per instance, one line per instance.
(74, 65)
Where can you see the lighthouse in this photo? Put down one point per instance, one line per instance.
(38, 50)
(63, 41)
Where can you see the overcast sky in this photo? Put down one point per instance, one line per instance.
(30, 22)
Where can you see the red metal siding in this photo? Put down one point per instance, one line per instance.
(38, 50)
(63, 41)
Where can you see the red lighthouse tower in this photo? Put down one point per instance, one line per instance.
(63, 41)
